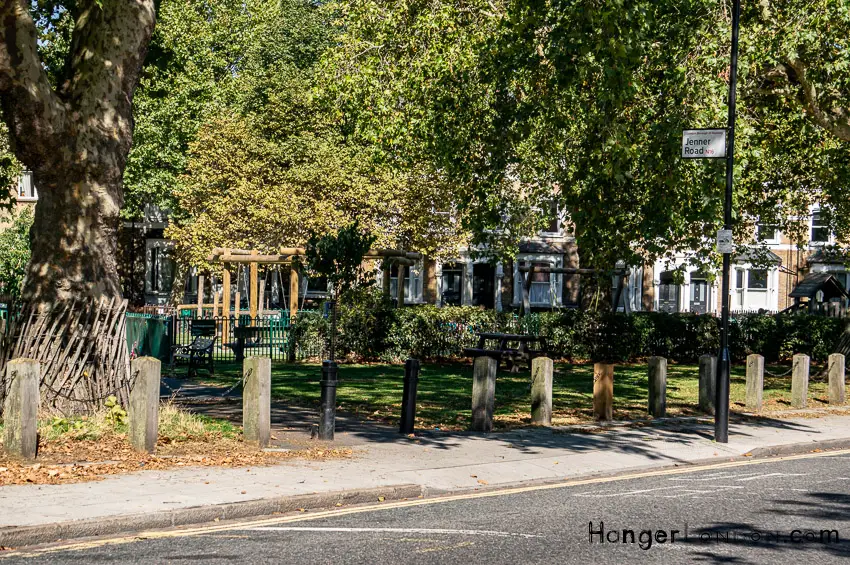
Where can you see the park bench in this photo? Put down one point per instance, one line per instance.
(512, 356)
(199, 353)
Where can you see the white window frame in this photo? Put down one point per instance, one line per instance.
(414, 285)
(555, 286)
(829, 237)
(771, 293)
(777, 236)
(26, 191)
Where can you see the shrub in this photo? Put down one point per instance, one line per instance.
(372, 329)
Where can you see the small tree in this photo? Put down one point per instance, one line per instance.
(15, 254)
(339, 258)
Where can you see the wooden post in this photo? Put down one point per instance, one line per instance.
(542, 370)
(253, 293)
(225, 304)
(144, 403)
(707, 380)
(20, 410)
(294, 291)
(385, 278)
(215, 304)
(755, 382)
(835, 369)
(400, 287)
(603, 391)
(200, 296)
(657, 386)
(800, 381)
(237, 306)
(526, 279)
(256, 400)
(483, 393)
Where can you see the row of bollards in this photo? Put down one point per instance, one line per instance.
(800, 367)
(484, 387)
(20, 409)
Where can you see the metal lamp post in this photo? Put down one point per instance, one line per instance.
(721, 405)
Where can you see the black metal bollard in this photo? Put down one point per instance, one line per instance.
(328, 415)
(408, 396)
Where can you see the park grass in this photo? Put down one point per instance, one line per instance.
(443, 400)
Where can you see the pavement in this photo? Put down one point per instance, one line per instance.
(388, 465)
(787, 510)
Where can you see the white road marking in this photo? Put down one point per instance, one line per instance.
(713, 477)
(773, 475)
(642, 492)
(392, 530)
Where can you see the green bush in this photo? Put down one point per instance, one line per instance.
(370, 328)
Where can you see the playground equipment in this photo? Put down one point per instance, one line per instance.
(251, 259)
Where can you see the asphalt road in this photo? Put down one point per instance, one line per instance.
(781, 511)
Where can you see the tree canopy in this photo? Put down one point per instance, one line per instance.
(272, 164)
(584, 101)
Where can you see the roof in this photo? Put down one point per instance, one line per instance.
(759, 255)
(813, 282)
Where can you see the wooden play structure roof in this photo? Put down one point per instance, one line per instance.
(813, 282)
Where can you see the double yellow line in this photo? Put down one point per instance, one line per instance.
(243, 525)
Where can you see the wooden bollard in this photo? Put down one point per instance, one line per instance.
(657, 386)
(20, 410)
(707, 381)
(483, 393)
(755, 382)
(256, 400)
(800, 381)
(542, 369)
(144, 403)
(835, 369)
(603, 391)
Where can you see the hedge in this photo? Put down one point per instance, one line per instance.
(372, 329)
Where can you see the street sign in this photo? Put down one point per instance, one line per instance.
(704, 144)
(724, 241)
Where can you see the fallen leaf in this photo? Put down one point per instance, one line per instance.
(482, 482)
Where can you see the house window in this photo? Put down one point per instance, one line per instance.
(544, 288)
(553, 219)
(540, 289)
(159, 267)
(752, 290)
(26, 189)
(412, 283)
(768, 233)
(820, 231)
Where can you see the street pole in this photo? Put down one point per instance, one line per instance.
(329, 382)
(721, 405)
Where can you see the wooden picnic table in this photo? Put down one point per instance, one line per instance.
(249, 337)
(511, 355)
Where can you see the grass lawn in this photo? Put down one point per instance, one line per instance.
(445, 390)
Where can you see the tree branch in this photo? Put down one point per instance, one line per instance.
(837, 121)
(32, 110)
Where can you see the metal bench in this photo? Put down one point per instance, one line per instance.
(199, 353)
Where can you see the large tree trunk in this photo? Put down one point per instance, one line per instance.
(74, 239)
(75, 138)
